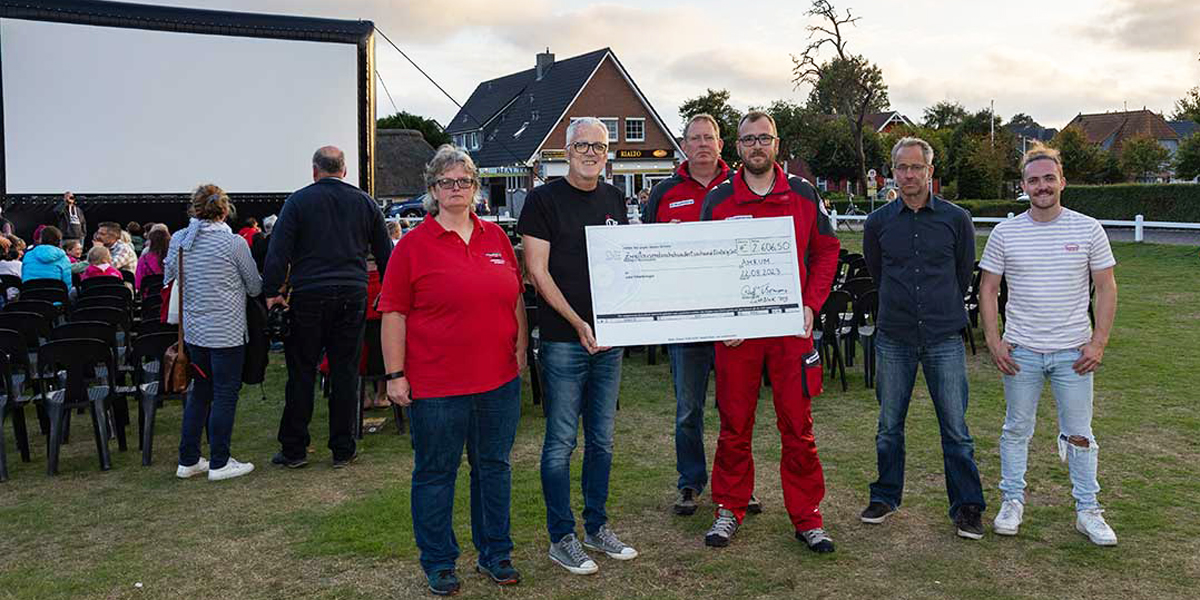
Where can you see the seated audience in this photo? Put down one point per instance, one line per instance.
(100, 264)
(46, 260)
(151, 262)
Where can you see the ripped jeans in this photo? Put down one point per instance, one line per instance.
(1076, 444)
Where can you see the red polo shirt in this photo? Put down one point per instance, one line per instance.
(681, 196)
(459, 302)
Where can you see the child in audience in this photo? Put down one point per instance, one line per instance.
(100, 264)
(10, 261)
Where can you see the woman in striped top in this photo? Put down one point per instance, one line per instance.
(218, 274)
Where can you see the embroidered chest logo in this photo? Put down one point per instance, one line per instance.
(495, 257)
(682, 203)
(736, 217)
(1071, 247)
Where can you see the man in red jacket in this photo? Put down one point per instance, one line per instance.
(762, 189)
(678, 199)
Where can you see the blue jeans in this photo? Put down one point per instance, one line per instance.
(213, 400)
(486, 423)
(944, 363)
(690, 366)
(577, 384)
(1073, 394)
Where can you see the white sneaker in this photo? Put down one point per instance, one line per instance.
(1008, 520)
(1091, 523)
(231, 469)
(183, 472)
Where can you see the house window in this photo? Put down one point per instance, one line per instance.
(635, 130)
(458, 140)
(611, 124)
(473, 140)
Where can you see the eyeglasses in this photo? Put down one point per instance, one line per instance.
(701, 138)
(909, 168)
(763, 139)
(448, 184)
(597, 147)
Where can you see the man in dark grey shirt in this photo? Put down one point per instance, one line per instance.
(318, 249)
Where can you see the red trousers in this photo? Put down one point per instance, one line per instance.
(739, 376)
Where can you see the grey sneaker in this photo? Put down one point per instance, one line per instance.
(569, 554)
(685, 502)
(606, 541)
(722, 529)
(816, 540)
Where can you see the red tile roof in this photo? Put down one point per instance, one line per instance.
(1120, 126)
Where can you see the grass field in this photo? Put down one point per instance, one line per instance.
(138, 532)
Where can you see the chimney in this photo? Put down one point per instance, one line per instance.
(544, 61)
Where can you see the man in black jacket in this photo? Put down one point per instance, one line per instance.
(318, 248)
(71, 221)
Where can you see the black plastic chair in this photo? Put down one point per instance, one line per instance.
(829, 337)
(128, 276)
(10, 286)
(151, 309)
(151, 286)
(46, 310)
(14, 355)
(146, 354)
(43, 283)
(533, 345)
(866, 314)
(33, 329)
(77, 357)
(94, 301)
(107, 333)
(52, 295)
(858, 286)
(92, 282)
(152, 327)
(109, 288)
(375, 372)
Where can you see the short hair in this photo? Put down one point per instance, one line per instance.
(581, 122)
(251, 222)
(69, 245)
(99, 255)
(447, 157)
(909, 141)
(1039, 151)
(702, 117)
(209, 203)
(757, 115)
(393, 227)
(110, 227)
(51, 236)
(330, 160)
(133, 228)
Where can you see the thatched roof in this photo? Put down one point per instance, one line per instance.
(400, 159)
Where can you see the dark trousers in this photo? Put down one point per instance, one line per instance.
(213, 401)
(329, 320)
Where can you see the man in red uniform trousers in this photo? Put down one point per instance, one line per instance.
(762, 189)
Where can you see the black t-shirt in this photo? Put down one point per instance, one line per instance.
(557, 212)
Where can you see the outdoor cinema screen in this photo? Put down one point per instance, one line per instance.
(109, 110)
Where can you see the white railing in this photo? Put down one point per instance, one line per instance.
(1139, 223)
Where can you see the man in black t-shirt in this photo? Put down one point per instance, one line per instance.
(581, 378)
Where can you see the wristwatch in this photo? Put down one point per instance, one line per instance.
(395, 375)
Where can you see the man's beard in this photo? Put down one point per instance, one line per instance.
(768, 165)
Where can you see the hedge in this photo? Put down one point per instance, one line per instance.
(1155, 201)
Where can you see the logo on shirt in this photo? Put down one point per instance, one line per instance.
(495, 257)
(681, 203)
(1071, 247)
(736, 217)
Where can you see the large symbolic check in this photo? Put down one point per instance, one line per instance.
(694, 282)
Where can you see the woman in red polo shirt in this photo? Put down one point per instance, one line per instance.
(454, 343)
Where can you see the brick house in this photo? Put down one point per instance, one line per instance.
(515, 126)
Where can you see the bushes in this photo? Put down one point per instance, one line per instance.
(1157, 202)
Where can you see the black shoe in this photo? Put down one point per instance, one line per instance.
(685, 502)
(755, 507)
(280, 460)
(968, 522)
(876, 512)
(503, 573)
(816, 539)
(341, 463)
(444, 583)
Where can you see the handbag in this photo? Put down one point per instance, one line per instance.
(177, 369)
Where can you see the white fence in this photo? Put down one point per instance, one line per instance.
(1139, 223)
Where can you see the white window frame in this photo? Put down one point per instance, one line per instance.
(614, 132)
(473, 140)
(629, 120)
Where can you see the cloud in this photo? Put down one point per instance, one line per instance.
(1153, 25)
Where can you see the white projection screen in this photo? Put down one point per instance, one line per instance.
(111, 110)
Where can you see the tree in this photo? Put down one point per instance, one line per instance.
(848, 85)
(981, 168)
(937, 140)
(716, 103)
(830, 149)
(430, 129)
(1022, 120)
(1187, 158)
(981, 127)
(1082, 161)
(1187, 108)
(1142, 157)
(796, 125)
(944, 115)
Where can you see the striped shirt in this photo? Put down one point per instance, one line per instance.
(1047, 267)
(218, 274)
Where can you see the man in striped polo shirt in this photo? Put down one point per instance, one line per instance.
(1046, 255)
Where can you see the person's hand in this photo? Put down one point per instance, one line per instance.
(808, 323)
(588, 340)
(398, 391)
(734, 343)
(522, 359)
(274, 301)
(1002, 355)
(1091, 355)
(676, 221)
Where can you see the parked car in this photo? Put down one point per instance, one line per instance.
(407, 209)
